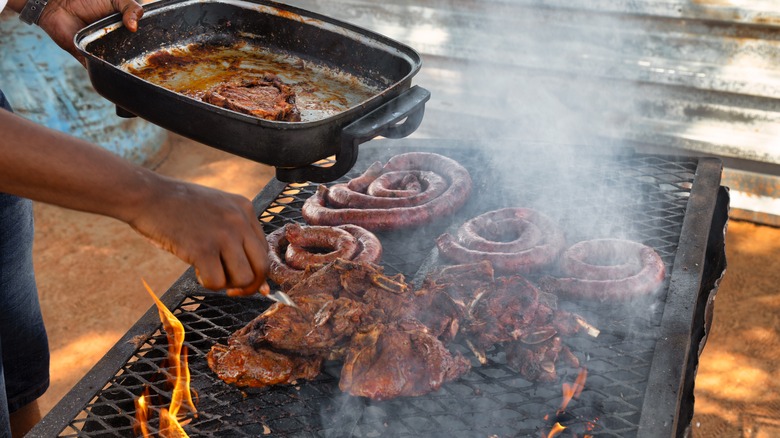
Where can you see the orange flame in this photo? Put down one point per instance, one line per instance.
(570, 391)
(142, 414)
(556, 430)
(179, 377)
(573, 390)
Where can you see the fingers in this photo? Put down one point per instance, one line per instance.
(131, 13)
(238, 269)
(209, 272)
(242, 267)
(257, 253)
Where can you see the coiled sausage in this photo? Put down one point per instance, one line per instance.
(514, 240)
(607, 269)
(409, 190)
(295, 250)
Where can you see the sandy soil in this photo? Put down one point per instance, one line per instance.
(738, 383)
(89, 271)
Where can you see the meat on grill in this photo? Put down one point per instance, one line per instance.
(537, 362)
(470, 305)
(318, 327)
(242, 364)
(504, 311)
(410, 190)
(295, 250)
(391, 337)
(347, 311)
(267, 98)
(443, 300)
(396, 359)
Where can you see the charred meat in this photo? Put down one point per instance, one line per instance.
(391, 337)
(398, 359)
(318, 327)
(347, 311)
(241, 364)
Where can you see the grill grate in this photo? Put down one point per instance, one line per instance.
(636, 197)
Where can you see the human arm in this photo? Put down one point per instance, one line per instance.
(214, 231)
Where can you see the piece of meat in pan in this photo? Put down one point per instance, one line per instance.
(267, 98)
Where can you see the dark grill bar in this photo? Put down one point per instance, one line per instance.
(640, 369)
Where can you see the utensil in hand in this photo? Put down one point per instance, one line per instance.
(281, 297)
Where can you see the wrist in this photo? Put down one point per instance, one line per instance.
(16, 5)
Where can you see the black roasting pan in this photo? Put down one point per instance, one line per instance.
(305, 45)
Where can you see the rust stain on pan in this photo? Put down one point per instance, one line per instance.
(292, 16)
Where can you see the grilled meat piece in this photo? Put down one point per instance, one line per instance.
(509, 311)
(392, 338)
(317, 280)
(318, 327)
(511, 308)
(439, 312)
(504, 311)
(388, 297)
(443, 301)
(537, 362)
(398, 359)
(461, 281)
(267, 98)
(242, 365)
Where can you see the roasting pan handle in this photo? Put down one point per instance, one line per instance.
(396, 118)
(388, 120)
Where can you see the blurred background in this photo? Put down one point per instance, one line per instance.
(697, 77)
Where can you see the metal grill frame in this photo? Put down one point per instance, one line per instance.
(675, 348)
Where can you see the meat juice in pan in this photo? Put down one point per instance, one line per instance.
(194, 69)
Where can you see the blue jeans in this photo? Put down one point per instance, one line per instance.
(24, 347)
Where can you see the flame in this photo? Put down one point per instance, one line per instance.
(556, 430)
(142, 414)
(573, 390)
(570, 391)
(179, 378)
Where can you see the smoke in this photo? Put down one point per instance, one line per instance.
(542, 96)
(552, 95)
(542, 93)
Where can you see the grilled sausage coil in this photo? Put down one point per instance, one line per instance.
(607, 269)
(514, 240)
(409, 190)
(295, 250)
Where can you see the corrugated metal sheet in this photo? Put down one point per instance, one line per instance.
(699, 77)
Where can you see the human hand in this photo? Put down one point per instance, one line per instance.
(61, 19)
(216, 232)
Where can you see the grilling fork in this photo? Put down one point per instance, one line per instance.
(281, 297)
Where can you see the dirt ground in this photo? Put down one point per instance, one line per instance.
(89, 272)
